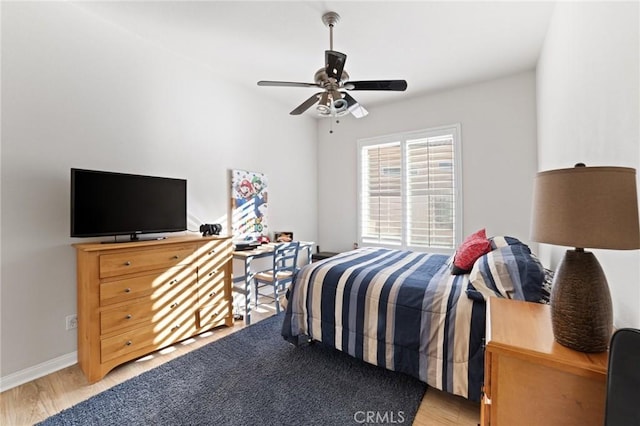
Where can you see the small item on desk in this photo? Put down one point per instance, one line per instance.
(246, 245)
(283, 237)
(263, 239)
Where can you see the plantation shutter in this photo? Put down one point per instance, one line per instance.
(430, 192)
(381, 209)
(409, 186)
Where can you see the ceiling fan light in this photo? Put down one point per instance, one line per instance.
(323, 110)
(358, 111)
(340, 105)
(324, 100)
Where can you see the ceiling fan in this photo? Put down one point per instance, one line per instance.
(334, 101)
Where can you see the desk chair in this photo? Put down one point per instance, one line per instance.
(623, 379)
(285, 265)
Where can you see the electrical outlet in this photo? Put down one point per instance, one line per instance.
(71, 321)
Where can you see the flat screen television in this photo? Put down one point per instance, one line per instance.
(108, 203)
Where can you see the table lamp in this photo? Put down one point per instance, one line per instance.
(584, 207)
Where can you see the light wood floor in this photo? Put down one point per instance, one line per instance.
(41, 398)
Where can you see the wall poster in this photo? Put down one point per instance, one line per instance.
(248, 205)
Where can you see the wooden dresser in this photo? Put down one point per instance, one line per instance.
(137, 297)
(532, 380)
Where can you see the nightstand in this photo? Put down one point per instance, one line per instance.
(530, 379)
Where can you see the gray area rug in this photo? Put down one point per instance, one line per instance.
(254, 377)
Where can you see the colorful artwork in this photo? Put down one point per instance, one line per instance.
(248, 205)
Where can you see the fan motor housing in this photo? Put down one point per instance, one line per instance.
(322, 79)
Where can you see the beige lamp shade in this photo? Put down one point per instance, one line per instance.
(587, 207)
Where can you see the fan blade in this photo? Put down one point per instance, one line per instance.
(285, 84)
(354, 107)
(395, 85)
(335, 63)
(306, 104)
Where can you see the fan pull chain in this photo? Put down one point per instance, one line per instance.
(331, 122)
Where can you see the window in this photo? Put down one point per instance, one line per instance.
(410, 190)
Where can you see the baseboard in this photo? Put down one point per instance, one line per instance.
(37, 371)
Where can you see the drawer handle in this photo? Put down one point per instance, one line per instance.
(128, 316)
(173, 282)
(177, 326)
(127, 290)
(176, 257)
(127, 263)
(211, 252)
(173, 305)
(129, 343)
(213, 293)
(212, 273)
(215, 314)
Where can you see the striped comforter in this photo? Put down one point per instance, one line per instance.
(400, 310)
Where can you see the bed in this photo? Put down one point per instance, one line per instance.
(406, 311)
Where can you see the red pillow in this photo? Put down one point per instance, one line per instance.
(474, 246)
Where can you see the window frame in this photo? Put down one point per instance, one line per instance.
(403, 138)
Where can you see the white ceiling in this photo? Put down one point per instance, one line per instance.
(431, 44)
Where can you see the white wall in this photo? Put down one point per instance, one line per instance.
(589, 111)
(80, 92)
(498, 126)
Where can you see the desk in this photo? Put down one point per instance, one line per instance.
(247, 256)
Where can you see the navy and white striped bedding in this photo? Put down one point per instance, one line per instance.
(510, 271)
(400, 310)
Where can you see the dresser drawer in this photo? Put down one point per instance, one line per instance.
(214, 254)
(146, 338)
(150, 309)
(212, 315)
(128, 262)
(157, 284)
(211, 287)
